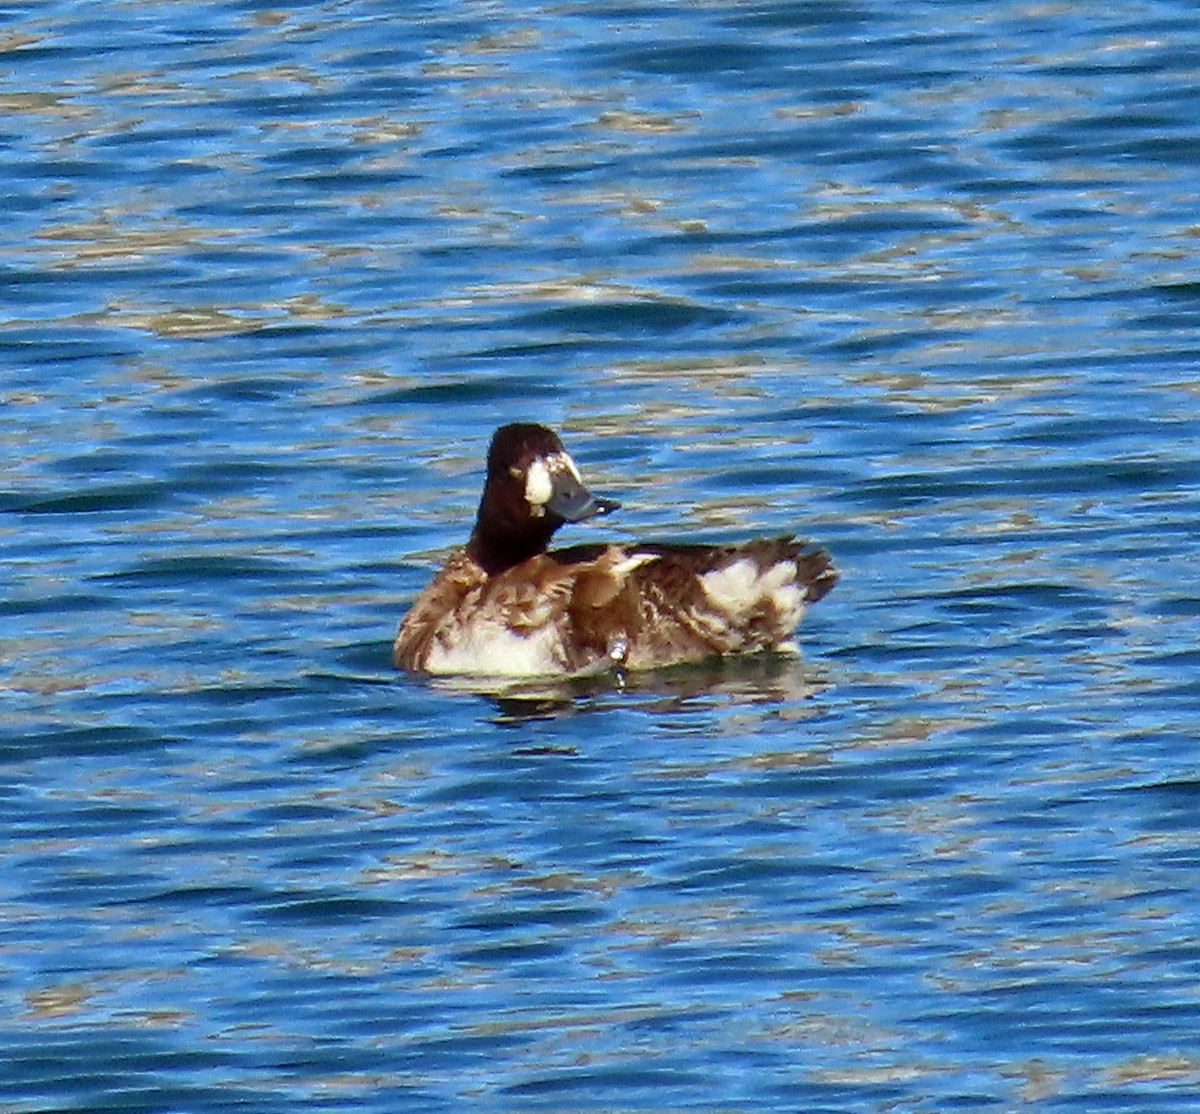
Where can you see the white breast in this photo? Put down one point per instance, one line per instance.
(491, 649)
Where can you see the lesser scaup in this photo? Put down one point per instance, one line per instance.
(505, 606)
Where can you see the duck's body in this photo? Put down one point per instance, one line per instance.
(504, 606)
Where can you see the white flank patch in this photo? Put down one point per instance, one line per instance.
(493, 650)
(789, 602)
(538, 486)
(739, 588)
(735, 588)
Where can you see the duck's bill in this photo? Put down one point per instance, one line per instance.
(572, 502)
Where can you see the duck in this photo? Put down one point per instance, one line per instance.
(505, 605)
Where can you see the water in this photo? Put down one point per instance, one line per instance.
(917, 281)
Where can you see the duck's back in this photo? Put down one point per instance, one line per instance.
(591, 608)
(700, 601)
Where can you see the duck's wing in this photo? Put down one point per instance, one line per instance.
(688, 602)
(741, 574)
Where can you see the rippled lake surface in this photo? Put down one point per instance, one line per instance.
(918, 281)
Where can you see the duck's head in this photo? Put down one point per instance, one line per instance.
(532, 488)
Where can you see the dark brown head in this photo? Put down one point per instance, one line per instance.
(532, 488)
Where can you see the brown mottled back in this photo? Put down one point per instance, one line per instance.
(664, 615)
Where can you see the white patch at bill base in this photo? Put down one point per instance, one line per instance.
(538, 485)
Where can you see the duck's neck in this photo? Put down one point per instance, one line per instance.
(499, 542)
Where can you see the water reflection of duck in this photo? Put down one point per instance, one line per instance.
(505, 606)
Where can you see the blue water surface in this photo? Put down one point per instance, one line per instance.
(916, 281)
